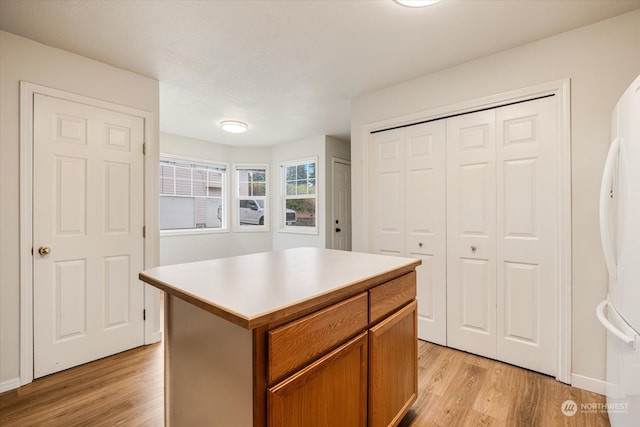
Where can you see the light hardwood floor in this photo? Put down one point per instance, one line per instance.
(455, 389)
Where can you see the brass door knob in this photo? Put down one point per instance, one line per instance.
(44, 250)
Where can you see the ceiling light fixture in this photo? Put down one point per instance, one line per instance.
(417, 3)
(234, 126)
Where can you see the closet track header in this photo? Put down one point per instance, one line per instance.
(462, 114)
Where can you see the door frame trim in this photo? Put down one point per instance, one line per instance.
(152, 327)
(561, 89)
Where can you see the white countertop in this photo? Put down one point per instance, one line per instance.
(253, 290)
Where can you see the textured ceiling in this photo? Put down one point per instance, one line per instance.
(287, 68)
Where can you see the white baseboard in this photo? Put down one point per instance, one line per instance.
(589, 384)
(9, 385)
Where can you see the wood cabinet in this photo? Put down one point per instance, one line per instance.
(330, 341)
(370, 380)
(301, 341)
(331, 389)
(393, 367)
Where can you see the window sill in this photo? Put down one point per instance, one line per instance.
(250, 229)
(300, 230)
(193, 231)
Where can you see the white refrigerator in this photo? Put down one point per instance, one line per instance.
(620, 234)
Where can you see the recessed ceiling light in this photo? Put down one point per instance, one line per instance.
(417, 3)
(234, 126)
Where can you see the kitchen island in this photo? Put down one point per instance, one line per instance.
(299, 337)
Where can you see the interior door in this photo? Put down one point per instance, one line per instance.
(471, 233)
(87, 233)
(341, 206)
(425, 224)
(527, 256)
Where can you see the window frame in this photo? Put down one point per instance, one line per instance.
(235, 205)
(224, 168)
(297, 229)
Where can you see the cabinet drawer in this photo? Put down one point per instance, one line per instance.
(301, 341)
(392, 295)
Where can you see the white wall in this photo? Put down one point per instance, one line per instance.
(601, 60)
(176, 249)
(309, 147)
(23, 59)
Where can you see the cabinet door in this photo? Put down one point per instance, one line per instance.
(393, 367)
(330, 392)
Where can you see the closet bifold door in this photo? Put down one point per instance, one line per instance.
(407, 207)
(471, 233)
(386, 203)
(425, 224)
(527, 256)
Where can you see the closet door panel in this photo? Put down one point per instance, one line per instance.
(471, 233)
(387, 198)
(425, 223)
(527, 255)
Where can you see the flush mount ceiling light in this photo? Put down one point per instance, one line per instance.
(234, 126)
(417, 3)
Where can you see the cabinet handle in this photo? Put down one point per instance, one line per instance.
(473, 249)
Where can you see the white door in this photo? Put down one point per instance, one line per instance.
(527, 218)
(407, 178)
(502, 209)
(425, 224)
(341, 206)
(386, 184)
(88, 215)
(471, 233)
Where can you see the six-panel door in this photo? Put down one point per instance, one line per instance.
(88, 219)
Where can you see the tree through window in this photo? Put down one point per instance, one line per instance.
(300, 194)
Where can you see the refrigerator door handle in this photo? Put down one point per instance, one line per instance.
(630, 341)
(605, 211)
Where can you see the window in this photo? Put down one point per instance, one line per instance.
(191, 195)
(251, 197)
(300, 195)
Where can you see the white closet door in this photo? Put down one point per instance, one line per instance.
(471, 233)
(425, 222)
(387, 198)
(527, 278)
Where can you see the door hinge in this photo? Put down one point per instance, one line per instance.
(144, 314)
(144, 231)
(144, 148)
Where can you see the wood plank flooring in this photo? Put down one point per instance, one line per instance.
(460, 389)
(121, 390)
(455, 389)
